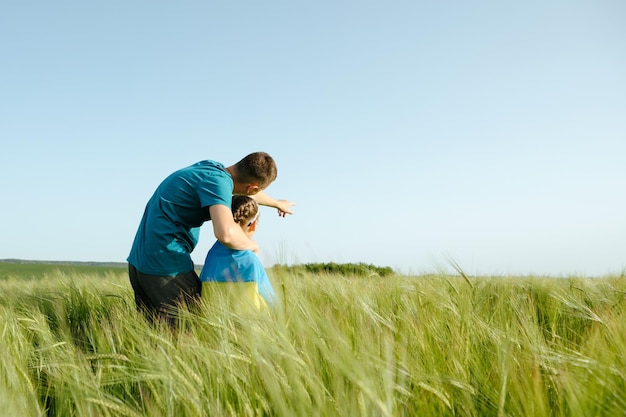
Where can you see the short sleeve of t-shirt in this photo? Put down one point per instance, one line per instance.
(215, 189)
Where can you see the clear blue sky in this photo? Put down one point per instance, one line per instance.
(407, 132)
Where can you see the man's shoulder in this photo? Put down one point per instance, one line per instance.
(198, 171)
(207, 165)
(208, 174)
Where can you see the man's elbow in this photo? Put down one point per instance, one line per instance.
(225, 237)
(230, 237)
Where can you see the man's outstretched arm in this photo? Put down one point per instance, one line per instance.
(283, 206)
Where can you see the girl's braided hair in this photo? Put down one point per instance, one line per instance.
(245, 209)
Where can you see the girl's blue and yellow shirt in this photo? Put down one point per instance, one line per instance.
(238, 274)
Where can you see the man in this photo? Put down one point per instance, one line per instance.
(160, 267)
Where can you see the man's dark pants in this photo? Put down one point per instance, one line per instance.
(159, 297)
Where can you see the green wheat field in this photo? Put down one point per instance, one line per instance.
(441, 345)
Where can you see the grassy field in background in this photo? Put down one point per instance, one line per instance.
(73, 345)
(41, 269)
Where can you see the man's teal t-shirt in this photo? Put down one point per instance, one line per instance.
(223, 264)
(170, 226)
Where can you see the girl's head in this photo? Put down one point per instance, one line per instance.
(245, 211)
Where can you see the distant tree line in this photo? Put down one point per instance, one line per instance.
(358, 269)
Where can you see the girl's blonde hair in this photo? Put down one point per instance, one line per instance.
(245, 210)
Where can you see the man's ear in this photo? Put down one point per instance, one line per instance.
(252, 189)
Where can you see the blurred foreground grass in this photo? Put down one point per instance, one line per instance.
(73, 345)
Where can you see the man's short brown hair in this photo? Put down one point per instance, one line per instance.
(258, 167)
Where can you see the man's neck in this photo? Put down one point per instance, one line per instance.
(231, 171)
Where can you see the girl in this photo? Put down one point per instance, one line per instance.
(239, 273)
